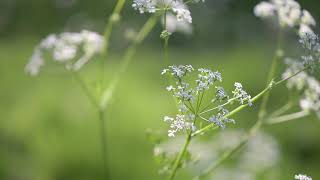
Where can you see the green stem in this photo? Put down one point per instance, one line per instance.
(282, 110)
(166, 51)
(113, 19)
(180, 157)
(288, 117)
(277, 56)
(166, 41)
(103, 138)
(86, 89)
(143, 33)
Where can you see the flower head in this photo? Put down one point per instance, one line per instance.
(65, 48)
(288, 13)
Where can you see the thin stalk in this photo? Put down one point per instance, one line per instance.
(103, 138)
(86, 89)
(113, 19)
(127, 58)
(166, 40)
(166, 51)
(180, 157)
(282, 110)
(288, 117)
(277, 56)
(226, 103)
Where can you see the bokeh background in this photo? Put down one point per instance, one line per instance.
(49, 131)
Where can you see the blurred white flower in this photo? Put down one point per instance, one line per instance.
(307, 18)
(177, 7)
(173, 25)
(305, 30)
(65, 48)
(302, 177)
(308, 85)
(264, 10)
(252, 158)
(288, 13)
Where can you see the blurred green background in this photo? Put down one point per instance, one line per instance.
(49, 131)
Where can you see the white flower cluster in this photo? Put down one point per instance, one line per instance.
(71, 49)
(177, 7)
(288, 13)
(220, 120)
(190, 96)
(308, 85)
(302, 177)
(179, 123)
(206, 78)
(173, 25)
(311, 44)
(241, 95)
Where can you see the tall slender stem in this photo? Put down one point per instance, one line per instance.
(113, 19)
(127, 58)
(166, 39)
(86, 89)
(180, 157)
(103, 138)
(277, 56)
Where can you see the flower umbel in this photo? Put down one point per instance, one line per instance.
(287, 13)
(190, 98)
(70, 49)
